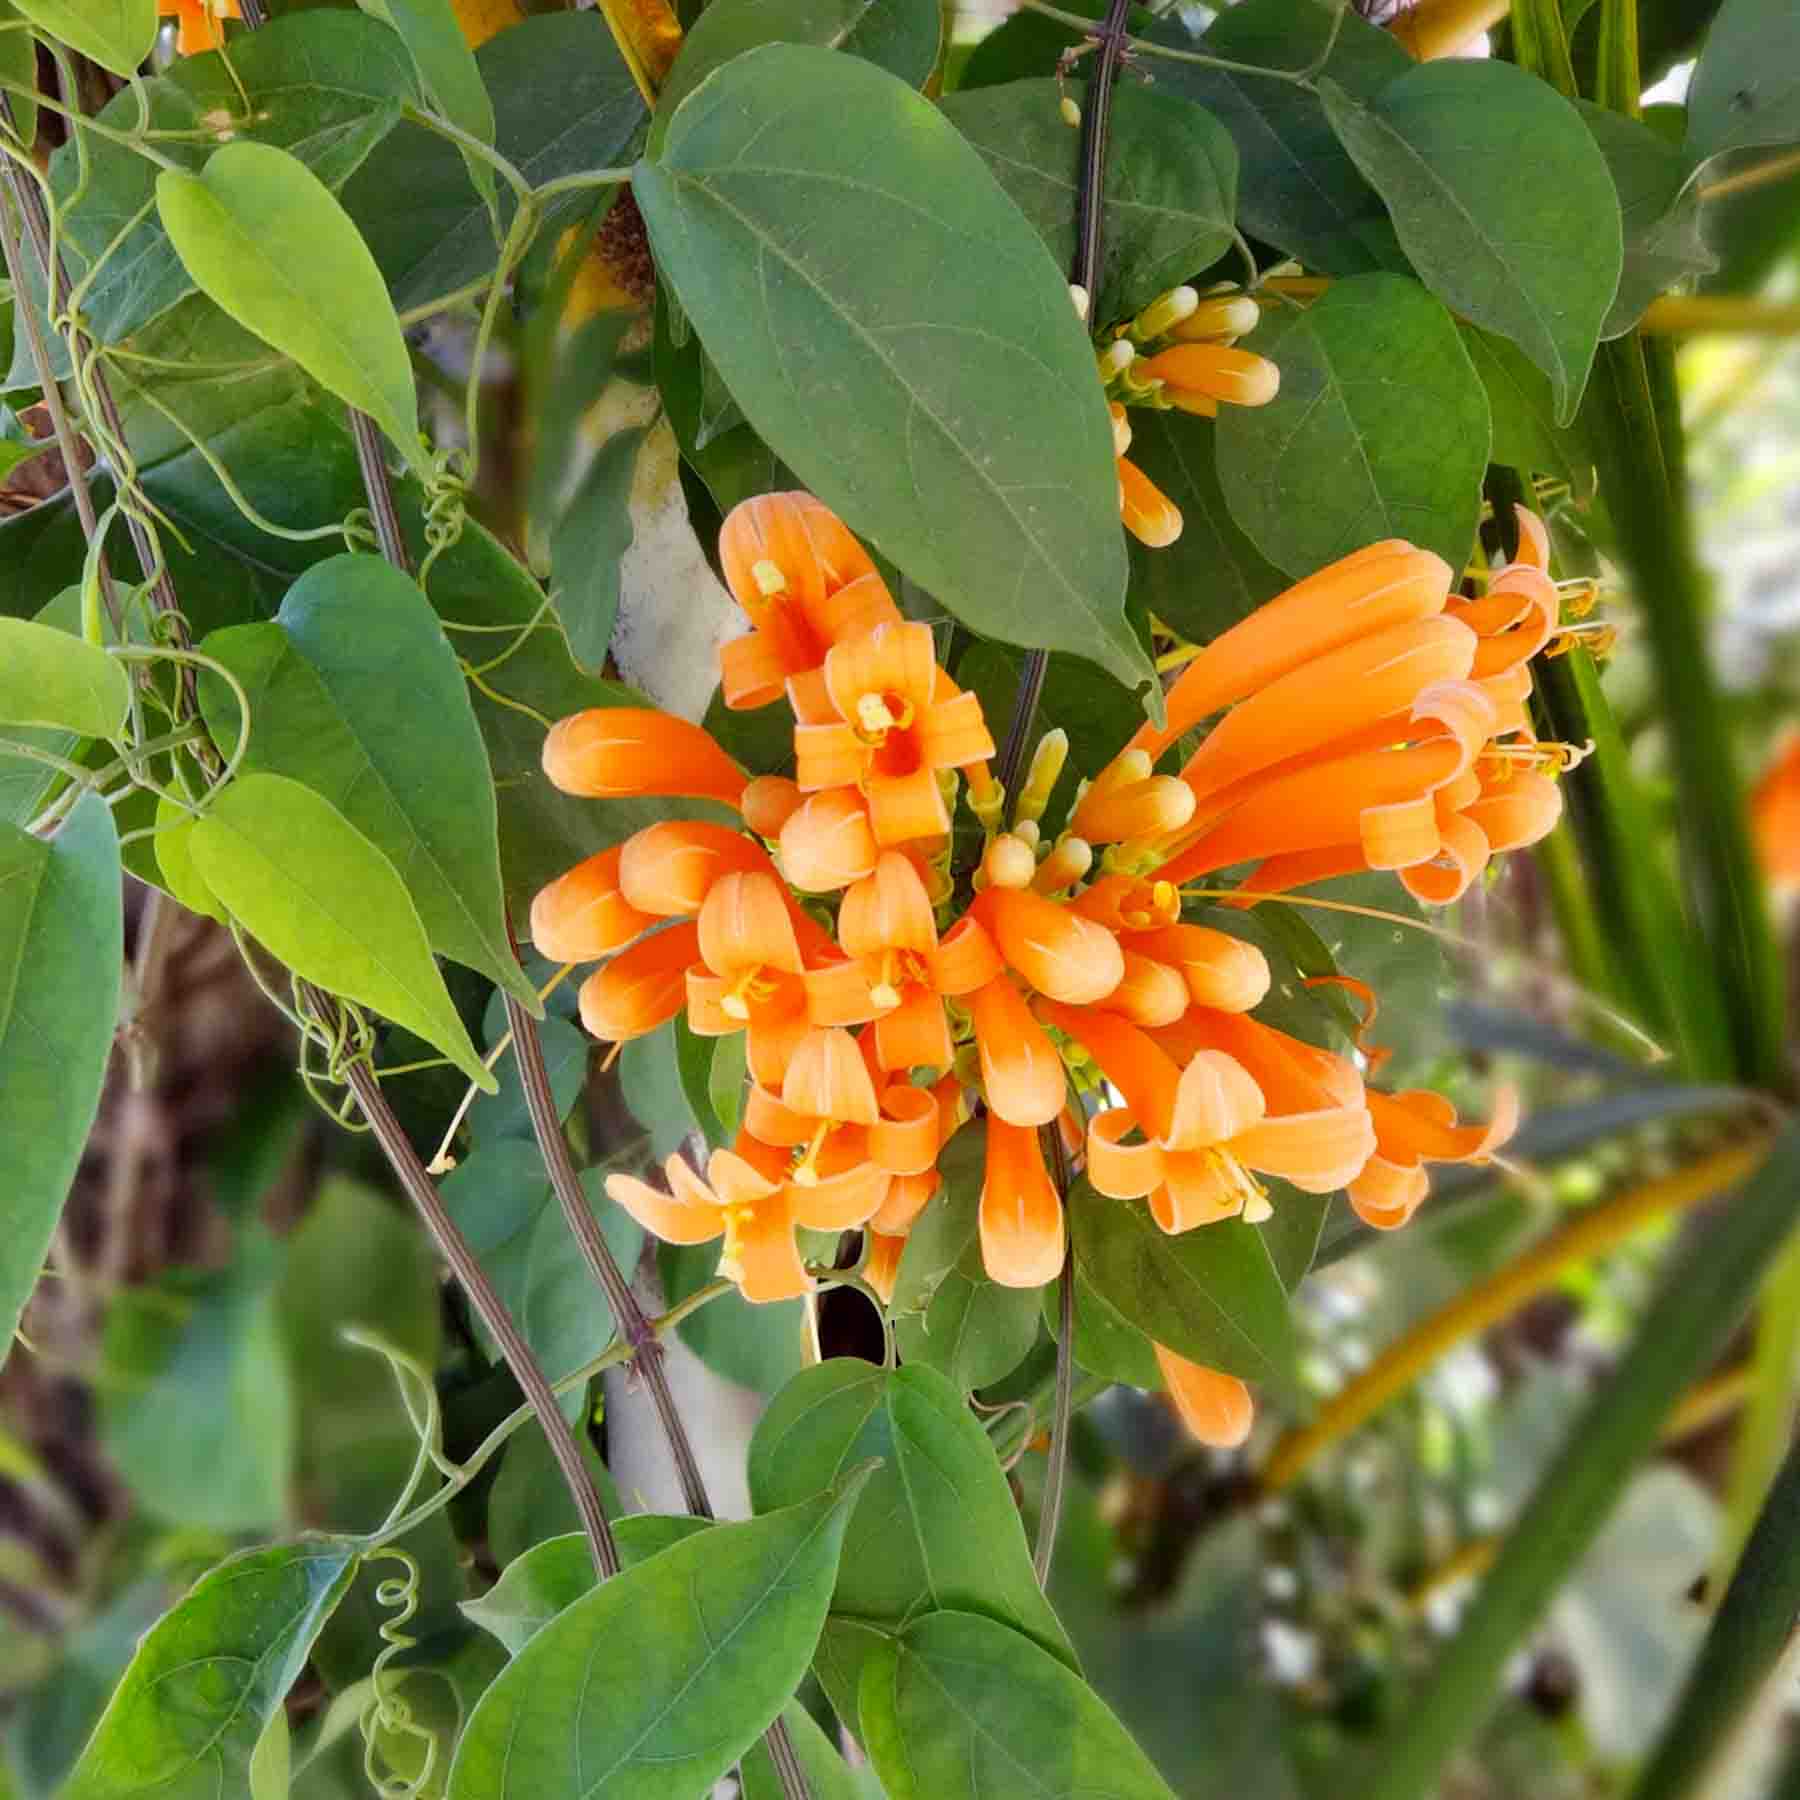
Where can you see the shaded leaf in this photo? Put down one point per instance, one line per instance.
(1526, 435)
(1380, 430)
(1211, 1294)
(957, 1707)
(652, 1685)
(210, 1674)
(1746, 86)
(1106, 1342)
(530, 1502)
(52, 678)
(586, 543)
(955, 422)
(1537, 262)
(323, 900)
(506, 1114)
(61, 945)
(1171, 181)
(117, 34)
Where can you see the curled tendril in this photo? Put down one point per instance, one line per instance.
(359, 530)
(446, 506)
(388, 1711)
(342, 1040)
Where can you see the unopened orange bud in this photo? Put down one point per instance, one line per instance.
(1150, 808)
(826, 844)
(641, 988)
(1148, 513)
(610, 752)
(1214, 372)
(769, 802)
(1216, 1408)
(1218, 320)
(584, 915)
(1008, 863)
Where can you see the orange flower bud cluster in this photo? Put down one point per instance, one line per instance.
(1363, 719)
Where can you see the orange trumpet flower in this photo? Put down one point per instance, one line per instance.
(1411, 1130)
(883, 718)
(1775, 812)
(1217, 968)
(806, 583)
(1021, 1072)
(826, 842)
(751, 1202)
(1021, 1214)
(1055, 948)
(642, 987)
(669, 869)
(609, 752)
(1204, 1130)
(200, 27)
(1196, 377)
(584, 915)
(1215, 1407)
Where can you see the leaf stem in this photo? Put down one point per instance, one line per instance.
(1056, 1472)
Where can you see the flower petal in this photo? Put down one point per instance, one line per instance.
(1215, 1407)
(1021, 1215)
(1020, 1069)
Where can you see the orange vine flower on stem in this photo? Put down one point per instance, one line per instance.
(201, 25)
(1412, 1129)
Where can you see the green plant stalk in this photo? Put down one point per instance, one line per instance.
(1591, 954)
(1617, 82)
(1755, 1625)
(1637, 449)
(1702, 1296)
(1768, 1420)
(1541, 43)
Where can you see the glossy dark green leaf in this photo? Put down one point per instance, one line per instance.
(1526, 435)
(827, 1774)
(1212, 575)
(758, 1347)
(564, 101)
(1704, 1293)
(263, 237)
(52, 678)
(402, 761)
(1211, 1294)
(18, 64)
(955, 421)
(1106, 1342)
(1536, 262)
(900, 36)
(1380, 430)
(117, 34)
(433, 35)
(936, 1526)
(324, 85)
(1659, 205)
(197, 1405)
(591, 535)
(501, 1199)
(209, 1676)
(947, 1314)
(653, 1684)
(1171, 181)
(1746, 86)
(1297, 189)
(61, 946)
(957, 1707)
(565, 1047)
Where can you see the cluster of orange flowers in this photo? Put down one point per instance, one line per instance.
(1365, 719)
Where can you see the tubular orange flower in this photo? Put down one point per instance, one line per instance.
(769, 802)
(669, 869)
(1145, 510)
(1365, 592)
(881, 1264)
(747, 1200)
(899, 969)
(806, 583)
(612, 751)
(1412, 1129)
(641, 988)
(200, 28)
(1295, 1077)
(1021, 1072)
(1058, 951)
(1196, 377)
(1204, 1130)
(583, 915)
(750, 972)
(911, 1191)
(1124, 903)
(882, 717)
(1021, 1214)
(1150, 994)
(826, 842)
(1215, 1407)
(1219, 970)
(1156, 806)
(1775, 812)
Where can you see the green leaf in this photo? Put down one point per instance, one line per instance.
(936, 1527)
(957, 1707)
(506, 1114)
(1106, 1342)
(174, 842)
(758, 1347)
(900, 36)
(1659, 205)
(1171, 182)
(263, 237)
(61, 945)
(1538, 262)
(1380, 430)
(593, 532)
(1704, 1293)
(321, 898)
(657, 1681)
(1526, 435)
(1297, 188)
(434, 39)
(197, 1407)
(117, 34)
(193, 1706)
(564, 101)
(1211, 1294)
(946, 1313)
(955, 421)
(550, 1577)
(1746, 86)
(402, 761)
(693, 1063)
(827, 1774)
(725, 1081)
(530, 1502)
(501, 1199)
(326, 86)
(50, 677)
(18, 64)
(1212, 575)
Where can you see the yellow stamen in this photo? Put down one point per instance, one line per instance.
(805, 1171)
(1547, 758)
(1599, 637)
(751, 987)
(1252, 1197)
(1579, 596)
